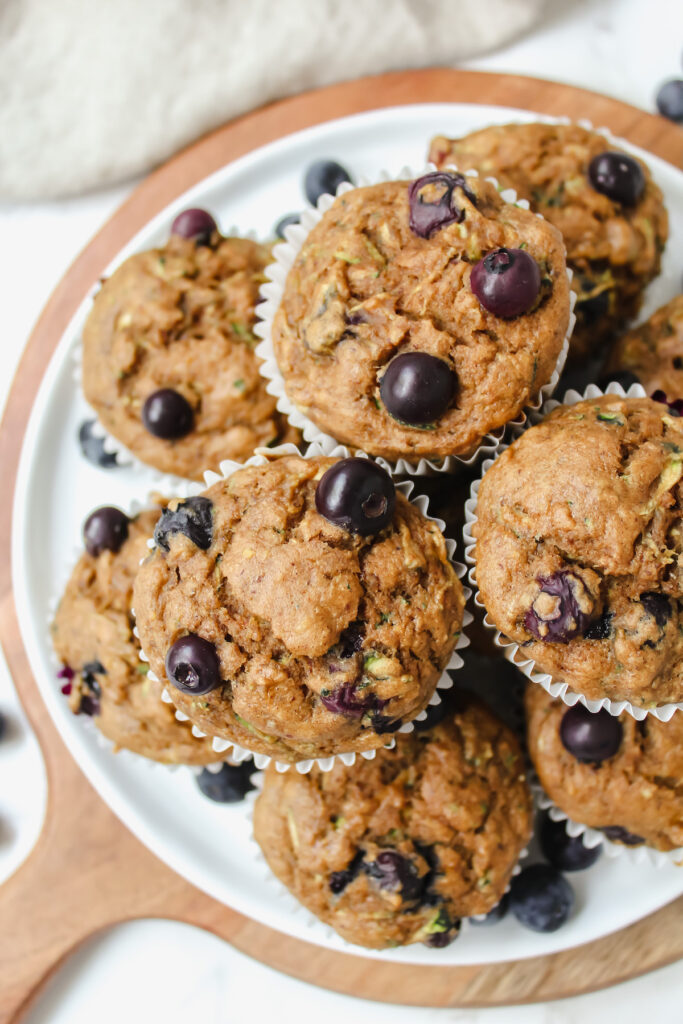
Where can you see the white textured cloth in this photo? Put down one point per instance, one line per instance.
(93, 91)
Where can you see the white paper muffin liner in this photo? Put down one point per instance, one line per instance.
(514, 652)
(592, 837)
(240, 753)
(285, 255)
(291, 904)
(88, 722)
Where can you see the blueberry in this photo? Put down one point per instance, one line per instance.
(383, 724)
(494, 915)
(351, 639)
(658, 606)
(617, 176)
(432, 202)
(105, 529)
(593, 308)
(192, 665)
(506, 282)
(67, 673)
(340, 879)
(357, 495)
(395, 873)
(167, 414)
(623, 377)
(617, 834)
(92, 446)
(323, 176)
(561, 610)
(229, 785)
(670, 100)
(590, 736)
(284, 222)
(565, 852)
(195, 224)
(417, 388)
(675, 405)
(441, 931)
(345, 700)
(601, 629)
(193, 518)
(541, 898)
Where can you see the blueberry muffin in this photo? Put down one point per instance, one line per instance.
(93, 638)
(168, 355)
(421, 316)
(579, 548)
(300, 608)
(614, 774)
(398, 849)
(605, 203)
(653, 353)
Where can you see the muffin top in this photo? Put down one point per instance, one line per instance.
(379, 336)
(579, 548)
(635, 794)
(396, 850)
(93, 637)
(325, 639)
(177, 321)
(614, 238)
(654, 352)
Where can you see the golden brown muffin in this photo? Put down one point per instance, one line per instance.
(579, 548)
(93, 637)
(653, 352)
(321, 640)
(372, 285)
(637, 793)
(396, 850)
(181, 318)
(613, 248)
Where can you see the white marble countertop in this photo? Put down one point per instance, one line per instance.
(625, 48)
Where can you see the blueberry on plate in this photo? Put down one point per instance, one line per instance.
(565, 852)
(590, 736)
(229, 785)
(356, 495)
(167, 414)
(285, 222)
(541, 898)
(195, 224)
(92, 447)
(494, 915)
(506, 282)
(105, 529)
(670, 100)
(323, 176)
(192, 665)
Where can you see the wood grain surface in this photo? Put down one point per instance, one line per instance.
(87, 871)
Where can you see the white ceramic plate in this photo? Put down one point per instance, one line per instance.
(207, 843)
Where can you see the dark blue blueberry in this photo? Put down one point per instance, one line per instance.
(167, 414)
(193, 518)
(617, 834)
(433, 202)
(670, 100)
(565, 852)
(351, 639)
(623, 377)
(323, 176)
(229, 785)
(617, 176)
(382, 724)
(417, 388)
(675, 404)
(395, 873)
(92, 447)
(560, 620)
(442, 931)
(291, 218)
(340, 879)
(541, 898)
(192, 665)
(590, 736)
(357, 495)
(658, 606)
(601, 629)
(506, 282)
(350, 701)
(105, 529)
(195, 224)
(494, 915)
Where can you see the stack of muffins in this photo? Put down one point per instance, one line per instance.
(303, 608)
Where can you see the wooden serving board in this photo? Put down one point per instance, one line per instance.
(87, 871)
